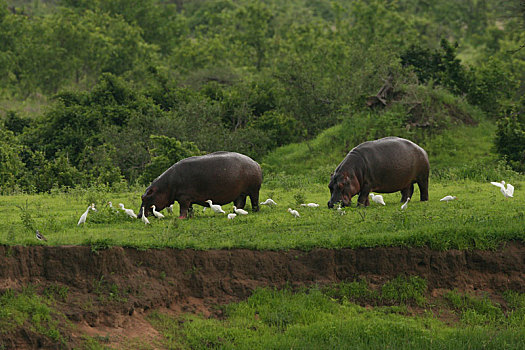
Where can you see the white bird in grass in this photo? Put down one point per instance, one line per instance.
(239, 211)
(215, 207)
(156, 213)
(83, 218)
(129, 212)
(143, 217)
(377, 198)
(269, 202)
(404, 206)
(507, 192)
(40, 236)
(310, 205)
(295, 213)
(93, 207)
(231, 216)
(448, 198)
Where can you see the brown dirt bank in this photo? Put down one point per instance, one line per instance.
(110, 287)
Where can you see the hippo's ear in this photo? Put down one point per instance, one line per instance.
(150, 191)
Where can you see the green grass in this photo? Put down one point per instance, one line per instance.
(480, 218)
(27, 307)
(312, 319)
(462, 165)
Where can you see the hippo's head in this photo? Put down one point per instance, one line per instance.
(343, 187)
(153, 196)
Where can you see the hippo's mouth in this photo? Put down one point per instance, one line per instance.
(346, 200)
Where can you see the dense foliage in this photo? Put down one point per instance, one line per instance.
(88, 89)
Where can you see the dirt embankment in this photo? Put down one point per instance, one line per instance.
(107, 287)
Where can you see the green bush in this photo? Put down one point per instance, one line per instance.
(166, 152)
(510, 140)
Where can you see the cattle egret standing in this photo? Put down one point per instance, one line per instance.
(215, 207)
(507, 192)
(82, 219)
(295, 213)
(143, 217)
(269, 202)
(40, 236)
(156, 213)
(239, 211)
(404, 206)
(448, 198)
(129, 212)
(231, 216)
(377, 198)
(93, 207)
(310, 205)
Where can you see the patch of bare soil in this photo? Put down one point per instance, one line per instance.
(110, 291)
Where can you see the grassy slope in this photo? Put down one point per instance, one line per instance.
(314, 319)
(480, 218)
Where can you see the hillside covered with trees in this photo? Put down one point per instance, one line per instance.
(112, 92)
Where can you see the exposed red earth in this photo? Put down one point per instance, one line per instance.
(110, 291)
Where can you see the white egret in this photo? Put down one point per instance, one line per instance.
(507, 192)
(83, 218)
(448, 198)
(215, 207)
(295, 213)
(231, 216)
(93, 207)
(377, 198)
(239, 211)
(310, 205)
(156, 213)
(143, 217)
(404, 206)
(269, 202)
(129, 212)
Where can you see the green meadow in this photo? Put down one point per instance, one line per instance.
(462, 165)
(326, 318)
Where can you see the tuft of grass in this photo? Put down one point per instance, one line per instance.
(475, 311)
(404, 290)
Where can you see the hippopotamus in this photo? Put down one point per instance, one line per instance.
(221, 177)
(386, 165)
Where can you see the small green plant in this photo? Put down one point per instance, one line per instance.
(299, 198)
(26, 217)
(99, 244)
(56, 291)
(404, 289)
(357, 291)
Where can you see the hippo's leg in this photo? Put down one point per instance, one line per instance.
(184, 206)
(406, 193)
(363, 196)
(423, 189)
(254, 199)
(240, 201)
